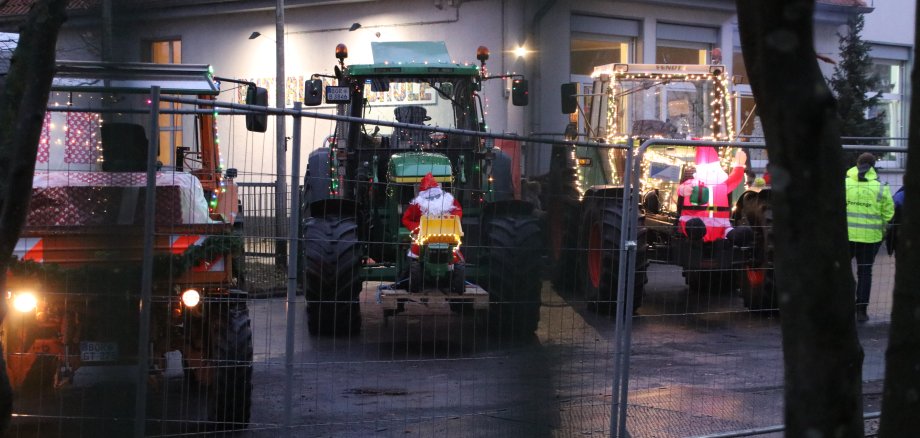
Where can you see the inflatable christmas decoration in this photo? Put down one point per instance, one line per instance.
(431, 201)
(705, 210)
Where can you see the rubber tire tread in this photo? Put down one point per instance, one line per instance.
(332, 275)
(609, 212)
(514, 283)
(230, 394)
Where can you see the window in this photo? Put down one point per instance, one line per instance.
(891, 74)
(890, 64)
(168, 52)
(598, 41)
(682, 44)
(591, 51)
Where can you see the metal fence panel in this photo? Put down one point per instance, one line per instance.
(704, 351)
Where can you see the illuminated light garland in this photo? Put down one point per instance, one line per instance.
(720, 115)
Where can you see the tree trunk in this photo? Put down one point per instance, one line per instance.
(821, 353)
(901, 395)
(22, 110)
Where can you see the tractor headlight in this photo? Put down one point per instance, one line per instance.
(191, 298)
(24, 302)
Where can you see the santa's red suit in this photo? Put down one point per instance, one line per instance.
(430, 201)
(705, 196)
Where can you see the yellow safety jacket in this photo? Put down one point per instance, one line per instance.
(869, 207)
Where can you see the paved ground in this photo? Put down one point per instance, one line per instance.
(698, 366)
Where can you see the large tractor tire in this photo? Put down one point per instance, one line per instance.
(757, 281)
(514, 283)
(230, 354)
(332, 275)
(561, 203)
(599, 258)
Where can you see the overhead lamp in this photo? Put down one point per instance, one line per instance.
(354, 26)
(254, 35)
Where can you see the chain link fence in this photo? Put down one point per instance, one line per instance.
(342, 336)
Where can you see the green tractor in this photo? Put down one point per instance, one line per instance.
(414, 113)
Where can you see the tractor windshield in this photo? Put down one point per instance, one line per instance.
(667, 107)
(443, 103)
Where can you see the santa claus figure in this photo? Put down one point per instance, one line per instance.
(430, 201)
(706, 210)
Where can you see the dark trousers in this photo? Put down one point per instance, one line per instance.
(865, 257)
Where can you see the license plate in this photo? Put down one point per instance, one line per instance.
(98, 351)
(338, 94)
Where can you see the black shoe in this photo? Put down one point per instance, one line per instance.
(861, 315)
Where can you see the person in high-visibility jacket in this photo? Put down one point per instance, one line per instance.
(869, 208)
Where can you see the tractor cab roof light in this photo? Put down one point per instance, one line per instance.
(341, 52)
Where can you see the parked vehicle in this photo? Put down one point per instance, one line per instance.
(683, 218)
(358, 185)
(75, 289)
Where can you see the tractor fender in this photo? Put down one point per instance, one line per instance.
(333, 207)
(317, 178)
(502, 180)
(604, 191)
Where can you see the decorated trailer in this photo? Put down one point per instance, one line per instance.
(75, 288)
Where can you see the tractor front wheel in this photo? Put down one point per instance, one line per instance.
(599, 263)
(230, 349)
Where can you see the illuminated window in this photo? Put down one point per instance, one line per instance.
(168, 52)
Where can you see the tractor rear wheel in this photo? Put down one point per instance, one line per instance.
(230, 350)
(599, 262)
(514, 283)
(332, 275)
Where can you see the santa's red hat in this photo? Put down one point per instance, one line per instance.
(706, 155)
(428, 182)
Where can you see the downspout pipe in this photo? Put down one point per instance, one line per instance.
(535, 160)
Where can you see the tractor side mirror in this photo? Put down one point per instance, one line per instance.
(569, 101)
(256, 96)
(520, 94)
(313, 92)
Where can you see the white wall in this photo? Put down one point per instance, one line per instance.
(891, 22)
(311, 36)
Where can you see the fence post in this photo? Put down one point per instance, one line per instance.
(293, 232)
(618, 407)
(143, 334)
(631, 192)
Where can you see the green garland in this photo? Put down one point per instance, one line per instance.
(122, 277)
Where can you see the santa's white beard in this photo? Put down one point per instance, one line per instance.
(710, 173)
(434, 202)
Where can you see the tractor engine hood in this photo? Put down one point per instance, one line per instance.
(410, 167)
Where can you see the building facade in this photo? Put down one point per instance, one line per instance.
(550, 42)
